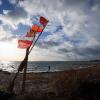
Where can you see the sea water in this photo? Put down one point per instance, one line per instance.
(43, 66)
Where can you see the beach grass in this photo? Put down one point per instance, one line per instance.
(74, 84)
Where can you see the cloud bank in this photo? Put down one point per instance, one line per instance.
(72, 32)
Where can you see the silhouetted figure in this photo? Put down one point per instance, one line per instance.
(49, 68)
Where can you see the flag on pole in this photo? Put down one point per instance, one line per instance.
(24, 44)
(27, 41)
(34, 30)
(37, 28)
(43, 21)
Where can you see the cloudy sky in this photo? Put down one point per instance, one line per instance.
(73, 31)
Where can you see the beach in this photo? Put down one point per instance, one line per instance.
(74, 84)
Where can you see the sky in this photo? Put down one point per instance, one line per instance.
(72, 34)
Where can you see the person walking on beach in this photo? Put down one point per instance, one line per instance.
(49, 68)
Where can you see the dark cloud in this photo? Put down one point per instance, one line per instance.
(73, 2)
(89, 3)
(88, 51)
(17, 13)
(47, 44)
(1, 22)
(81, 53)
(64, 50)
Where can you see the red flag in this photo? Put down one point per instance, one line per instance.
(24, 44)
(34, 30)
(43, 21)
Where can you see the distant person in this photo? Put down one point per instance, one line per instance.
(49, 68)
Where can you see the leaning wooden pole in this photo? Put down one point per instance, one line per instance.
(28, 51)
(25, 71)
(11, 86)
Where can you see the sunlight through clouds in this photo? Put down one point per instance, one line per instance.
(73, 28)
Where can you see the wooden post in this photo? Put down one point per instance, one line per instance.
(11, 86)
(24, 73)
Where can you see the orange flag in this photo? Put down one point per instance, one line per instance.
(34, 30)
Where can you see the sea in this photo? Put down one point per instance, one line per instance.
(45, 66)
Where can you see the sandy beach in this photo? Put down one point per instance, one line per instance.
(77, 84)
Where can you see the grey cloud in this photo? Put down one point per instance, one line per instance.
(47, 44)
(91, 52)
(1, 22)
(83, 52)
(88, 51)
(12, 18)
(10, 38)
(65, 50)
(18, 13)
(73, 2)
